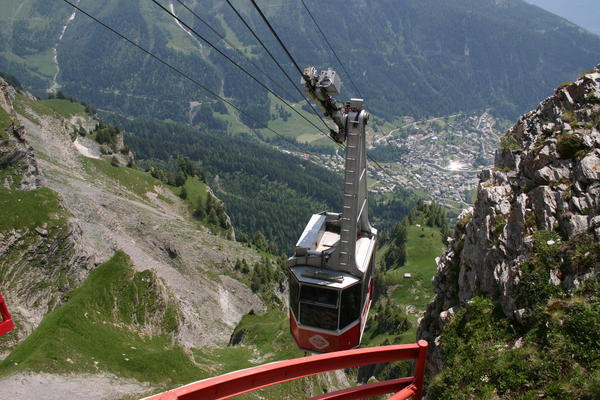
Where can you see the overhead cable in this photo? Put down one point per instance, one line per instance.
(277, 63)
(235, 47)
(236, 64)
(177, 70)
(332, 49)
(265, 19)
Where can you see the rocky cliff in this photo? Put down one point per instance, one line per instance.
(533, 233)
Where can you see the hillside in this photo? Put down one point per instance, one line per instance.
(415, 58)
(584, 13)
(110, 280)
(516, 310)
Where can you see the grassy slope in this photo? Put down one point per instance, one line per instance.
(553, 352)
(128, 182)
(423, 245)
(265, 338)
(22, 103)
(297, 127)
(197, 192)
(22, 209)
(5, 120)
(96, 330)
(40, 65)
(64, 108)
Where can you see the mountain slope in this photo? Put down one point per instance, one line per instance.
(412, 57)
(86, 210)
(162, 307)
(582, 12)
(517, 308)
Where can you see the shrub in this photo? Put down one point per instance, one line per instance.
(509, 143)
(564, 85)
(568, 145)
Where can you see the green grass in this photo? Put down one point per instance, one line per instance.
(136, 181)
(297, 127)
(97, 329)
(234, 125)
(266, 338)
(64, 108)
(27, 209)
(557, 359)
(196, 190)
(43, 62)
(22, 105)
(264, 334)
(9, 7)
(5, 120)
(423, 245)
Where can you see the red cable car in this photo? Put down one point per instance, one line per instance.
(6, 322)
(331, 271)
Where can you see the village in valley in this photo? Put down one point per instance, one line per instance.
(439, 157)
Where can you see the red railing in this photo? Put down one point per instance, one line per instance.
(6, 322)
(248, 380)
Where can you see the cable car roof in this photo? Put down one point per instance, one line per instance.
(324, 277)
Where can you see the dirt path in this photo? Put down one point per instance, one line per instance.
(73, 386)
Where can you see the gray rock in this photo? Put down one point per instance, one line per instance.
(555, 277)
(544, 205)
(447, 315)
(520, 315)
(541, 191)
(589, 167)
(574, 223)
(579, 204)
(41, 231)
(595, 227)
(544, 175)
(592, 140)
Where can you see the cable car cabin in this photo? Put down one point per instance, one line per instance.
(329, 307)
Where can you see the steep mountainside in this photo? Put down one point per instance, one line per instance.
(408, 57)
(135, 295)
(516, 309)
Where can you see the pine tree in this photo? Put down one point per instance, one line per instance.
(213, 219)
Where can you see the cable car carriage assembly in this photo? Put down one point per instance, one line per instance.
(331, 271)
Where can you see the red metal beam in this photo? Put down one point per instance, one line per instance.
(239, 382)
(6, 323)
(366, 391)
(406, 393)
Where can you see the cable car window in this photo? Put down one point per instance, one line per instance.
(319, 295)
(351, 301)
(318, 316)
(294, 293)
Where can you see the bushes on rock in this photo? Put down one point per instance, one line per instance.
(568, 145)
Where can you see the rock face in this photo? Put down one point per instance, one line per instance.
(15, 150)
(546, 177)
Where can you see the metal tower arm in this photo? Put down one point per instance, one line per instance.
(351, 121)
(320, 87)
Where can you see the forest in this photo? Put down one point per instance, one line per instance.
(263, 189)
